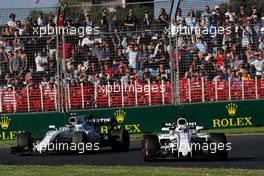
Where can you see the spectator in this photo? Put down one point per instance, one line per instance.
(19, 27)
(242, 16)
(7, 32)
(14, 63)
(201, 45)
(179, 19)
(146, 22)
(106, 56)
(29, 75)
(132, 54)
(163, 19)
(40, 20)
(41, 62)
(12, 22)
(246, 34)
(88, 40)
(261, 45)
(130, 21)
(230, 14)
(114, 24)
(66, 52)
(51, 44)
(88, 22)
(3, 61)
(254, 19)
(190, 20)
(206, 16)
(96, 53)
(104, 22)
(143, 58)
(162, 57)
(258, 62)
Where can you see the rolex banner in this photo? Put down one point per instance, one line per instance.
(226, 114)
(142, 119)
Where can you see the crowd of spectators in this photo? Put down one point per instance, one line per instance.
(129, 51)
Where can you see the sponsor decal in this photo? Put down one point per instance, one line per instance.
(233, 120)
(5, 122)
(120, 118)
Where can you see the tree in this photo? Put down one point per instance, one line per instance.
(248, 4)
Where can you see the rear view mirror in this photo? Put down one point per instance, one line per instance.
(52, 127)
(198, 128)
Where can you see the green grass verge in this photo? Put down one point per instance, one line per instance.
(7, 143)
(247, 130)
(78, 170)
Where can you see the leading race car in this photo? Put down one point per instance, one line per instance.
(183, 140)
(80, 134)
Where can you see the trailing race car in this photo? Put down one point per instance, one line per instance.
(183, 140)
(80, 134)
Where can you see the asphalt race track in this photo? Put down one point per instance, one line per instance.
(247, 152)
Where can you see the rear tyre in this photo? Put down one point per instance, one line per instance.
(218, 142)
(79, 137)
(150, 146)
(24, 141)
(119, 140)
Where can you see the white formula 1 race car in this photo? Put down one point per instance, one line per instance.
(183, 140)
(79, 135)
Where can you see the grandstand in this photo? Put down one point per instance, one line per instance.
(132, 60)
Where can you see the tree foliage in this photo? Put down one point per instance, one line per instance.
(248, 4)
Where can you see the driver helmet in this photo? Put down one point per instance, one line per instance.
(182, 123)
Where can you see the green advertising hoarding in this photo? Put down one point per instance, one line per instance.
(135, 120)
(234, 114)
(142, 119)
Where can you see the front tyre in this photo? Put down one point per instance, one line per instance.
(24, 141)
(150, 146)
(119, 140)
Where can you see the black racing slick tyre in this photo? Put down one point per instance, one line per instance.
(24, 140)
(119, 140)
(150, 147)
(217, 146)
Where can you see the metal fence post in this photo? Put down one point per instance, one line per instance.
(14, 96)
(82, 95)
(136, 94)
(229, 88)
(1, 106)
(68, 97)
(203, 94)
(41, 97)
(28, 103)
(95, 95)
(58, 89)
(162, 92)
(122, 94)
(189, 90)
(256, 87)
(216, 91)
(149, 93)
(243, 89)
(64, 75)
(108, 92)
(55, 97)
